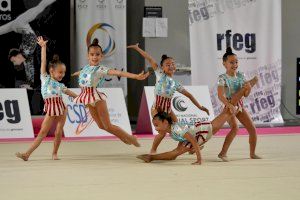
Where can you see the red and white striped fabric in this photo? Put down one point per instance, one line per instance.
(89, 95)
(54, 106)
(199, 138)
(162, 104)
(204, 128)
(240, 105)
(202, 131)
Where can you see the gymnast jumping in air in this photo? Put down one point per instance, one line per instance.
(92, 76)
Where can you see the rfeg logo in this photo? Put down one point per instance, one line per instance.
(10, 111)
(110, 48)
(237, 41)
(179, 104)
(202, 10)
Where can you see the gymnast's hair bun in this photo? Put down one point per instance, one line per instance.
(95, 41)
(163, 57)
(229, 50)
(55, 58)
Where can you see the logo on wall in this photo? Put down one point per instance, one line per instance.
(82, 4)
(237, 41)
(111, 45)
(101, 4)
(120, 4)
(202, 10)
(179, 104)
(80, 116)
(5, 6)
(10, 111)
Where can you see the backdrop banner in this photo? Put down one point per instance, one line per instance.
(253, 29)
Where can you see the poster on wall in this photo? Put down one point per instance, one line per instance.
(253, 30)
(105, 20)
(15, 118)
(21, 21)
(79, 122)
(185, 111)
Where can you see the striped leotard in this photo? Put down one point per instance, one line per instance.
(198, 130)
(90, 78)
(52, 94)
(165, 88)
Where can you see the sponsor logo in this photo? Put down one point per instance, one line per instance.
(81, 117)
(101, 4)
(179, 104)
(10, 111)
(82, 4)
(237, 41)
(104, 27)
(120, 4)
(5, 6)
(202, 10)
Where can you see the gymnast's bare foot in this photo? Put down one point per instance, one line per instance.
(55, 157)
(134, 141)
(145, 157)
(254, 156)
(152, 152)
(23, 156)
(224, 158)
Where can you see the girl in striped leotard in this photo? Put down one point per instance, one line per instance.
(54, 107)
(165, 88)
(91, 77)
(194, 136)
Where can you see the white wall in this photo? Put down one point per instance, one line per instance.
(177, 43)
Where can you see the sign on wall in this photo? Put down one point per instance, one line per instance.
(79, 122)
(15, 117)
(253, 30)
(183, 108)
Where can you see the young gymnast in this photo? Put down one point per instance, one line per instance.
(54, 107)
(91, 76)
(165, 88)
(228, 84)
(191, 137)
